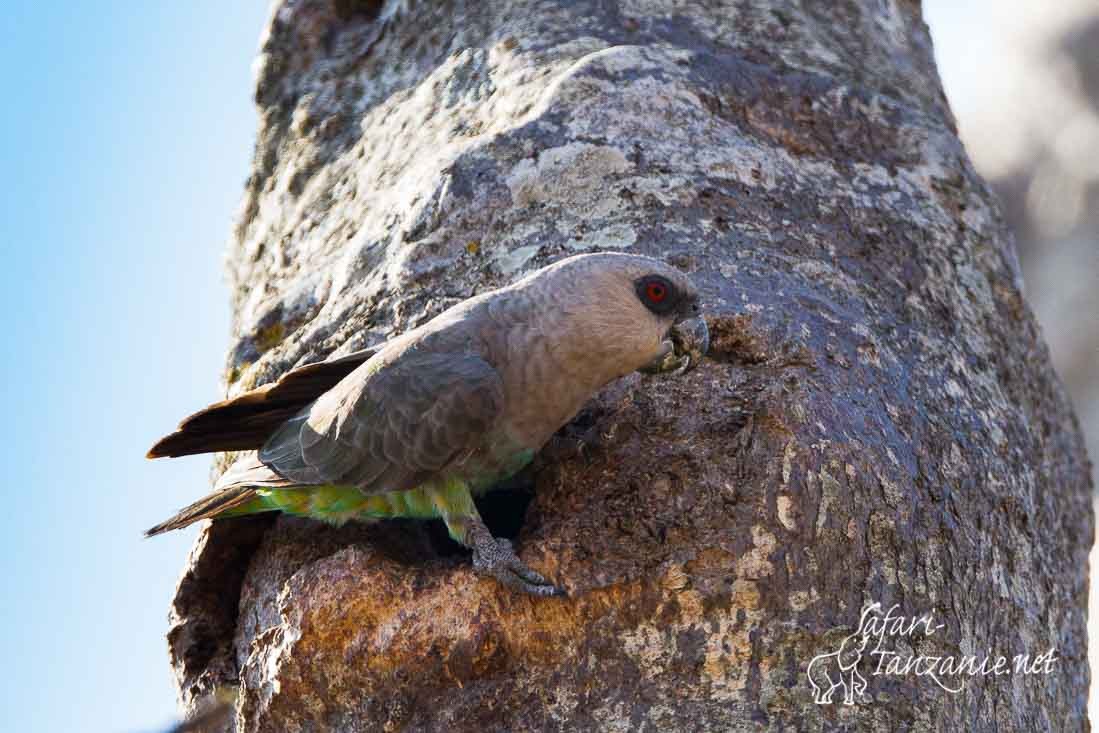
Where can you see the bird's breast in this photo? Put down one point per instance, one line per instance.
(545, 385)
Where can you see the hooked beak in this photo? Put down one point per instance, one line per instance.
(684, 348)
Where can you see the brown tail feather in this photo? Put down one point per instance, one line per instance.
(204, 508)
(246, 421)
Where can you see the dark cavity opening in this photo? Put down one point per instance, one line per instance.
(503, 509)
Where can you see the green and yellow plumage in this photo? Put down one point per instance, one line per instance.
(449, 499)
(440, 414)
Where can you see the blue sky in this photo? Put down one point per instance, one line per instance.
(125, 139)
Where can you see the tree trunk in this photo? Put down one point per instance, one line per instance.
(879, 420)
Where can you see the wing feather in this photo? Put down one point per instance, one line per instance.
(393, 426)
(247, 420)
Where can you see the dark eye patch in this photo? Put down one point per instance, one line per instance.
(657, 293)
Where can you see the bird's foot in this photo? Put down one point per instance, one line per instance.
(496, 557)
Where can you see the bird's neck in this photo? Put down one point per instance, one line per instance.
(558, 356)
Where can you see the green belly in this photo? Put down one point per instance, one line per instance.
(435, 498)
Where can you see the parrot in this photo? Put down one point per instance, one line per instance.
(420, 425)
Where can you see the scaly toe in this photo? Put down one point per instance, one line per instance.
(500, 561)
(530, 581)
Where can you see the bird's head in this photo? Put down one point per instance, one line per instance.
(644, 312)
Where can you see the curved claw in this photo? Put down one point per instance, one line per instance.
(692, 340)
(687, 342)
(498, 559)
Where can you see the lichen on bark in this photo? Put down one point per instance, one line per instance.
(878, 421)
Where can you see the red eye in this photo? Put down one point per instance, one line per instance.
(657, 294)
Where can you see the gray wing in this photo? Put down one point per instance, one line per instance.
(389, 426)
(246, 421)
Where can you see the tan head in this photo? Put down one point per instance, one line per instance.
(626, 312)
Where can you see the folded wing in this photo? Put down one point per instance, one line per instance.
(248, 420)
(394, 427)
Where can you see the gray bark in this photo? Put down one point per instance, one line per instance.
(879, 420)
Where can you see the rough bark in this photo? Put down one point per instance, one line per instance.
(879, 421)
